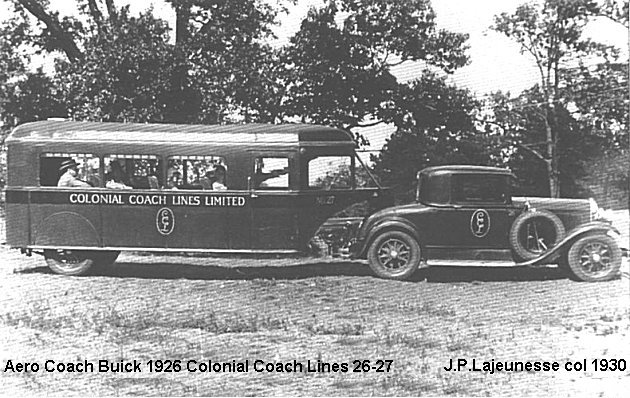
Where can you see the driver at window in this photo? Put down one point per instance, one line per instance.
(68, 179)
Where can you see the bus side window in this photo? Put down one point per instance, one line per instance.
(50, 165)
(132, 172)
(271, 173)
(196, 172)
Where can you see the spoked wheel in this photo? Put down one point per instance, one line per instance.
(594, 258)
(68, 262)
(394, 255)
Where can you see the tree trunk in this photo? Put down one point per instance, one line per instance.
(182, 12)
(551, 161)
(64, 38)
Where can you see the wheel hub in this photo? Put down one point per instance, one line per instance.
(596, 258)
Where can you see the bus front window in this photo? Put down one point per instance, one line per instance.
(331, 172)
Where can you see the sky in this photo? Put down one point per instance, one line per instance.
(495, 61)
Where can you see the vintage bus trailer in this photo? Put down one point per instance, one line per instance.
(250, 188)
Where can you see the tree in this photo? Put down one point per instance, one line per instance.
(119, 67)
(339, 72)
(229, 59)
(124, 73)
(13, 63)
(552, 36)
(436, 124)
(29, 99)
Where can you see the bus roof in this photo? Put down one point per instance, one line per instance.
(59, 131)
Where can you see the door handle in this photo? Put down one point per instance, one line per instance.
(250, 188)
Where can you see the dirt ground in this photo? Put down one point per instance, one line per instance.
(149, 308)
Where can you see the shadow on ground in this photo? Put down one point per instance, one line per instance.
(165, 270)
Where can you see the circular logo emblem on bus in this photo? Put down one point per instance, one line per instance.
(480, 223)
(165, 221)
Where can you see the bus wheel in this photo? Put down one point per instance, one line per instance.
(394, 255)
(68, 262)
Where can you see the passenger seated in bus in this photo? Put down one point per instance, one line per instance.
(116, 178)
(68, 179)
(175, 180)
(154, 182)
(219, 175)
(207, 180)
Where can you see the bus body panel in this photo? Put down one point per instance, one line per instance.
(244, 218)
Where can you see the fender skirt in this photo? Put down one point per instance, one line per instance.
(591, 227)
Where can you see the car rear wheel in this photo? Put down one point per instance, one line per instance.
(394, 255)
(68, 262)
(594, 258)
(535, 232)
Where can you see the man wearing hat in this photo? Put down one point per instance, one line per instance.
(69, 168)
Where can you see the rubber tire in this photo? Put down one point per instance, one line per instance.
(573, 258)
(59, 267)
(519, 251)
(414, 260)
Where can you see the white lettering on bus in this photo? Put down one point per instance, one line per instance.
(153, 200)
(186, 200)
(147, 199)
(235, 201)
(96, 198)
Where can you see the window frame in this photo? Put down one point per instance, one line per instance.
(351, 164)
(457, 185)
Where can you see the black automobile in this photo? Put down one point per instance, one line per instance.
(466, 215)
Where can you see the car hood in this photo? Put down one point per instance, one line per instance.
(399, 210)
(553, 204)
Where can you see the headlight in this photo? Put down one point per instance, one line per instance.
(594, 209)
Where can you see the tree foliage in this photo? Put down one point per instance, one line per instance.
(436, 124)
(339, 62)
(119, 67)
(552, 34)
(124, 73)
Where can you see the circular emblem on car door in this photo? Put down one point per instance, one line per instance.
(480, 223)
(165, 221)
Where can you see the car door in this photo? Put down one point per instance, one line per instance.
(482, 211)
(478, 215)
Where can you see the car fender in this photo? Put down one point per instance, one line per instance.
(60, 228)
(598, 227)
(397, 223)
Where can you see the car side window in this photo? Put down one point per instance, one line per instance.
(480, 189)
(434, 189)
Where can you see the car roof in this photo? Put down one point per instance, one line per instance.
(465, 169)
(54, 130)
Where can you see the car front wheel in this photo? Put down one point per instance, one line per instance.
(394, 255)
(594, 258)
